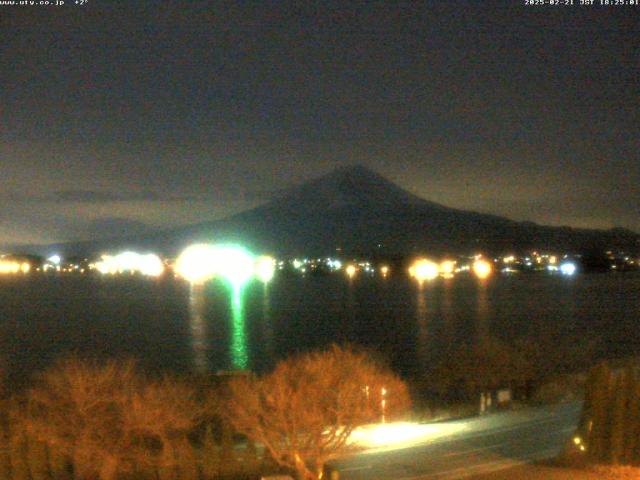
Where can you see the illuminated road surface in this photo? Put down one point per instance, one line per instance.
(470, 447)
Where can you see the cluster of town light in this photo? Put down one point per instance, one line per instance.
(425, 270)
(202, 262)
(10, 266)
(544, 261)
(130, 262)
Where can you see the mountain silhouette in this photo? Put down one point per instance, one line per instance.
(356, 211)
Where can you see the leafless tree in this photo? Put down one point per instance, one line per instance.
(107, 418)
(306, 409)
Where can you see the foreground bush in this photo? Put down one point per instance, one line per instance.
(488, 365)
(617, 472)
(306, 409)
(108, 419)
(610, 420)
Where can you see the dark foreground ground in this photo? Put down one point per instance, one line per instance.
(545, 472)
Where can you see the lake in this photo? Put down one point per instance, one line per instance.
(167, 324)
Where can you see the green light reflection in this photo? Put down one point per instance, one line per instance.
(267, 326)
(199, 343)
(239, 354)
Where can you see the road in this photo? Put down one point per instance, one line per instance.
(467, 447)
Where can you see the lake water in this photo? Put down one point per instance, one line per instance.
(168, 324)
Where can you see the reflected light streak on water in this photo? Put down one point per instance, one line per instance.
(350, 302)
(483, 312)
(267, 328)
(239, 354)
(198, 327)
(48, 316)
(446, 311)
(422, 333)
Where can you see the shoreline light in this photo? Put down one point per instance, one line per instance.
(351, 271)
(131, 262)
(424, 269)
(202, 262)
(568, 268)
(196, 263)
(482, 268)
(54, 259)
(234, 264)
(10, 267)
(265, 268)
(447, 268)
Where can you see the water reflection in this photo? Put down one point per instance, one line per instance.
(483, 312)
(239, 355)
(446, 312)
(350, 303)
(421, 318)
(533, 307)
(267, 326)
(198, 327)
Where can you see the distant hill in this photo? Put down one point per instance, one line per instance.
(361, 212)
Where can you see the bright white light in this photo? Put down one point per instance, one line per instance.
(54, 259)
(401, 434)
(424, 269)
(202, 262)
(234, 264)
(151, 265)
(568, 268)
(265, 268)
(129, 262)
(105, 265)
(482, 268)
(197, 263)
(126, 261)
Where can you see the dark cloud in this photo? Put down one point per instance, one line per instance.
(114, 227)
(90, 196)
(97, 197)
(173, 113)
(85, 196)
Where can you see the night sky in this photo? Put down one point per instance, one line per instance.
(120, 117)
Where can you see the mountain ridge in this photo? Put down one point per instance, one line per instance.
(356, 210)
